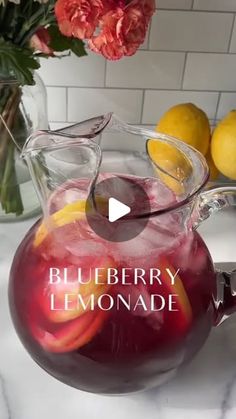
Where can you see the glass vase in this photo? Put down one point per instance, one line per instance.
(22, 111)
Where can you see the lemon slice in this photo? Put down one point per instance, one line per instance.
(183, 299)
(185, 313)
(68, 214)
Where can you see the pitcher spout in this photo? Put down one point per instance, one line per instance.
(89, 129)
(58, 158)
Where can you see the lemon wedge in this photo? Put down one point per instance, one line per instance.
(172, 161)
(68, 214)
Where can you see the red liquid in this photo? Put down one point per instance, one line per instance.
(122, 349)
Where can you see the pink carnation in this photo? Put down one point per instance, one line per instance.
(123, 29)
(79, 18)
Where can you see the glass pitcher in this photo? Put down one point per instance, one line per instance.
(117, 305)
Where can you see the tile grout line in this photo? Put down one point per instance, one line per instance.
(143, 124)
(149, 37)
(105, 74)
(231, 34)
(217, 107)
(138, 89)
(179, 51)
(169, 52)
(67, 103)
(182, 51)
(184, 70)
(142, 106)
(198, 10)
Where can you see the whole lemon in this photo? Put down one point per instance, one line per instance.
(214, 172)
(169, 159)
(223, 146)
(188, 123)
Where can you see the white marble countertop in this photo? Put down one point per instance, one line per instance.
(205, 389)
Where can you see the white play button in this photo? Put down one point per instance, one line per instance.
(116, 218)
(117, 210)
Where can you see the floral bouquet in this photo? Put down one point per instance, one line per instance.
(30, 29)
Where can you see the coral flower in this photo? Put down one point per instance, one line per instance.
(79, 18)
(123, 30)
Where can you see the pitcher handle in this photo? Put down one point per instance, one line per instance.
(209, 202)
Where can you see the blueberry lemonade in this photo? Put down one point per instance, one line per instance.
(111, 316)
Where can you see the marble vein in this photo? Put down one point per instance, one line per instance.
(225, 405)
(5, 399)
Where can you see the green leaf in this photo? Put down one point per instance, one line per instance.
(18, 63)
(60, 43)
(77, 47)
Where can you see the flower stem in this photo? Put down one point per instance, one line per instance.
(10, 197)
(10, 190)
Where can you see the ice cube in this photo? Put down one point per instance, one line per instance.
(87, 247)
(160, 196)
(67, 193)
(138, 252)
(133, 293)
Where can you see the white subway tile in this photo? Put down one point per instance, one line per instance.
(147, 69)
(215, 5)
(74, 71)
(148, 126)
(145, 44)
(191, 31)
(174, 4)
(86, 103)
(117, 141)
(156, 103)
(227, 103)
(56, 103)
(58, 125)
(233, 40)
(210, 72)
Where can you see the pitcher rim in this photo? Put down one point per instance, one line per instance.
(135, 129)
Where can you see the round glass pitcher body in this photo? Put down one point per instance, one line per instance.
(150, 315)
(105, 315)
